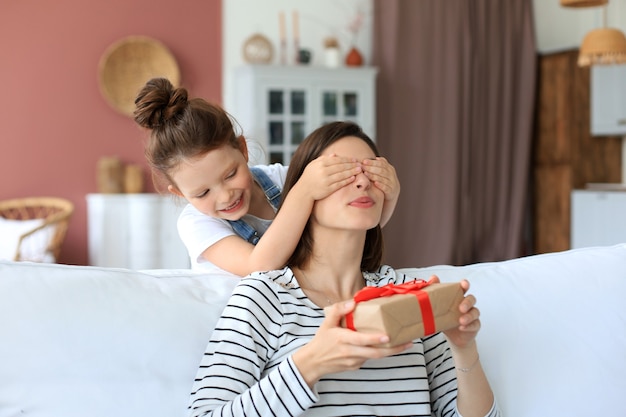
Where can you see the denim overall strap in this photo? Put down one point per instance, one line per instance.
(272, 193)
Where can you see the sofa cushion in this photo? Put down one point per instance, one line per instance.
(80, 341)
(553, 336)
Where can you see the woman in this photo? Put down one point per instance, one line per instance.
(279, 349)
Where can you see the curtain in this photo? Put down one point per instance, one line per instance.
(455, 103)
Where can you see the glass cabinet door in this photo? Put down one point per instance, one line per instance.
(287, 110)
(340, 105)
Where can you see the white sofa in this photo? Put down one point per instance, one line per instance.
(85, 341)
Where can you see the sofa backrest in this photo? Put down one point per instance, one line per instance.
(102, 342)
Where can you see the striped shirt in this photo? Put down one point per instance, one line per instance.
(247, 369)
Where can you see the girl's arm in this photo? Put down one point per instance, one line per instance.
(321, 177)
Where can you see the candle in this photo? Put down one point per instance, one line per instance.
(296, 26)
(281, 26)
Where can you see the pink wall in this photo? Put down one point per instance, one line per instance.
(54, 123)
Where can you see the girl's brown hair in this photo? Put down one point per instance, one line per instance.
(310, 149)
(181, 128)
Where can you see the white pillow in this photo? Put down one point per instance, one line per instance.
(103, 342)
(33, 247)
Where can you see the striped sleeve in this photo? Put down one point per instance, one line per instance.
(232, 378)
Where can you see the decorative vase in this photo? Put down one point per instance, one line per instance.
(354, 58)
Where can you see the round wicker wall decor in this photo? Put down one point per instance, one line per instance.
(128, 64)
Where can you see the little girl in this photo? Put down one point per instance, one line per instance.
(230, 223)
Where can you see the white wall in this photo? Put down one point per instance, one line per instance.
(318, 19)
(559, 28)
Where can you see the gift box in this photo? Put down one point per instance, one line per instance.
(406, 311)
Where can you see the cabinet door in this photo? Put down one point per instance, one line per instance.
(598, 218)
(608, 100)
(344, 101)
(287, 111)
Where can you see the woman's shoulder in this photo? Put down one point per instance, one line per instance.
(383, 276)
(273, 280)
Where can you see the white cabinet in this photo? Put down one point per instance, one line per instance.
(598, 218)
(608, 99)
(278, 106)
(135, 231)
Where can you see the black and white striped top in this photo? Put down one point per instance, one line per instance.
(247, 369)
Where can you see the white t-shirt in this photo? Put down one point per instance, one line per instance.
(199, 231)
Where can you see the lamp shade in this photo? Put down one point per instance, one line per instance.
(601, 47)
(583, 3)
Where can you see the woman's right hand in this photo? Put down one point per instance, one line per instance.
(337, 349)
(328, 173)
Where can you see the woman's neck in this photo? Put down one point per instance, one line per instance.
(334, 268)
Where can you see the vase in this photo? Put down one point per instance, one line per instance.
(354, 57)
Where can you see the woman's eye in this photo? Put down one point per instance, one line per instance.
(231, 174)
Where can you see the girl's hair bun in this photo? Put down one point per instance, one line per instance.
(158, 102)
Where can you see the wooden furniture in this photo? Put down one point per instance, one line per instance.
(277, 106)
(135, 231)
(598, 218)
(565, 155)
(41, 240)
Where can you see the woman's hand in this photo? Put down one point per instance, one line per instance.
(383, 176)
(326, 174)
(469, 321)
(336, 349)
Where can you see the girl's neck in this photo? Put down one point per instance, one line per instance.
(259, 206)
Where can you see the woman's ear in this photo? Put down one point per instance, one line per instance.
(243, 146)
(175, 191)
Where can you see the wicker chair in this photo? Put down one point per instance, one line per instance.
(39, 225)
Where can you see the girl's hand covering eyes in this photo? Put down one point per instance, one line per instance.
(383, 176)
(328, 173)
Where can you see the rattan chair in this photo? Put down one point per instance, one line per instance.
(37, 241)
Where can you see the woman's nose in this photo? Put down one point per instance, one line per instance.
(362, 181)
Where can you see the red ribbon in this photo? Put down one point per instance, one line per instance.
(412, 287)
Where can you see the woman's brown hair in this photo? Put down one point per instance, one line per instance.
(310, 149)
(181, 128)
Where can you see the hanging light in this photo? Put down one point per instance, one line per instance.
(582, 3)
(602, 46)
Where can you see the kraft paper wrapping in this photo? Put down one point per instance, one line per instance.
(400, 317)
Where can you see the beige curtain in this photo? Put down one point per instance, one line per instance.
(455, 97)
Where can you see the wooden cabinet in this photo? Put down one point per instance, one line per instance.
(608, 102)
(135, 231)
(565, 154)
(278, 106)
(598, 218)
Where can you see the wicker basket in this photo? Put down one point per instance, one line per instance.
(56, 213)
(127, 64)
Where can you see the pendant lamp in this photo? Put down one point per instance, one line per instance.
(603, 46)
(582, 3)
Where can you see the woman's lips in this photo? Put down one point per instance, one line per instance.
(362, 202)
(233, 207)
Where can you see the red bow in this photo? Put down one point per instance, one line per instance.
(412, 287)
